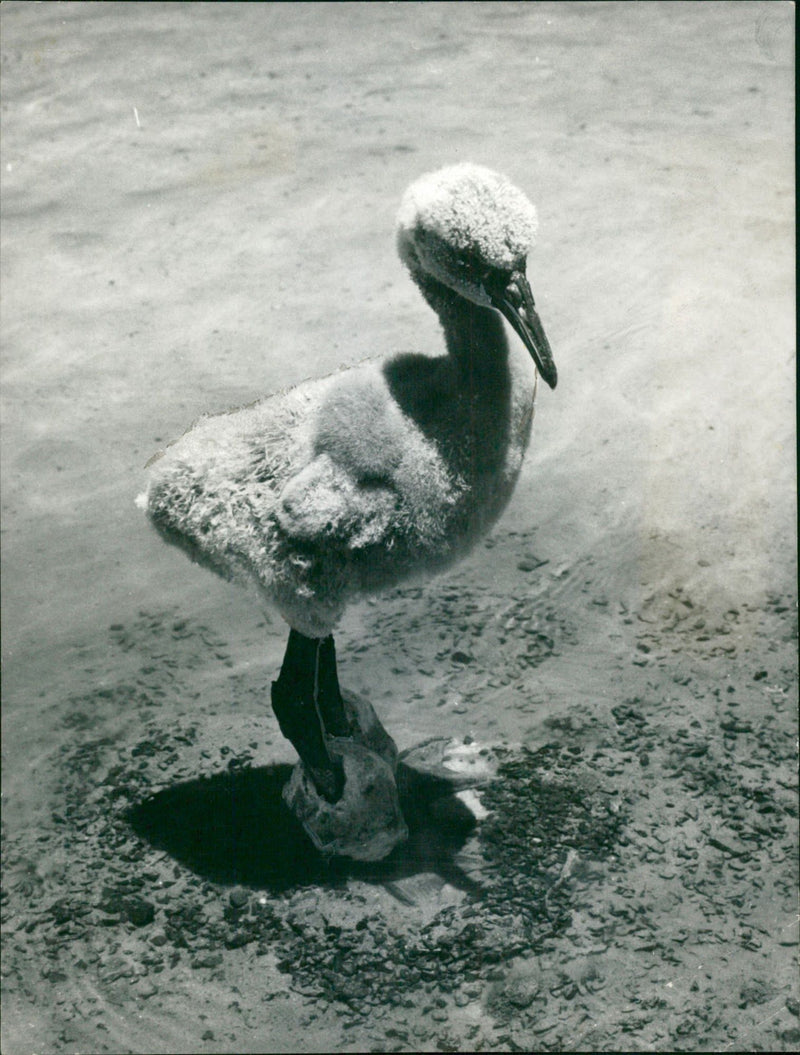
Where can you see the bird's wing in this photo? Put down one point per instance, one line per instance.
(324, 504)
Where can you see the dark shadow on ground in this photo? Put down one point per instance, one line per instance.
(234, 828)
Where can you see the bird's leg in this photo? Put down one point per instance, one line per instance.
(329, 697)
(306, 691)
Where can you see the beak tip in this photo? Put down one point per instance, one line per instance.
(549, 375)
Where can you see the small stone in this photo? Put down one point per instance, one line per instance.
(62, 911)
(530, 563)
(239, 897)
(139, 912)
(239, 939)
(521, 992)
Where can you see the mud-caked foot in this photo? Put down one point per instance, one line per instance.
(343, 791)
(365, 728)
(366, 822)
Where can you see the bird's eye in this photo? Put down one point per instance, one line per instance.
(491, 278)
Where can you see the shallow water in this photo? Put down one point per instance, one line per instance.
(197, 209)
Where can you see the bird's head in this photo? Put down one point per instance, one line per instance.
(470, 229)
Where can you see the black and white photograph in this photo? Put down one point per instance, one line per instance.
(399, 527)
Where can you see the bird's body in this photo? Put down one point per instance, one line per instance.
(351, 483)
(354, 482)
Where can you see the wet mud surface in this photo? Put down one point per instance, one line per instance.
(627, 883)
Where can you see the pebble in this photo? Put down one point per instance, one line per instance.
(530, 564)
(139, 912)
(239, 897)
(521, 992)
(239, 939)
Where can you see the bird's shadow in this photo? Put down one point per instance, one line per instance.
(234, 828)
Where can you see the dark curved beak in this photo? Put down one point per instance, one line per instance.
(514, 300)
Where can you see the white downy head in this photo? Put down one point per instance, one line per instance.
(462, 222)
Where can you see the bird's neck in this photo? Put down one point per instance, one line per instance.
(474, 335)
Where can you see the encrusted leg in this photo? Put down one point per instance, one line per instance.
(343, 791)
(298, 705)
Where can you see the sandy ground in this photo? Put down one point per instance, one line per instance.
(198, 204)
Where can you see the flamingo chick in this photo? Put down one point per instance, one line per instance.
(352, 483)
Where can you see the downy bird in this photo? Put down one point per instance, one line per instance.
(355, 482)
